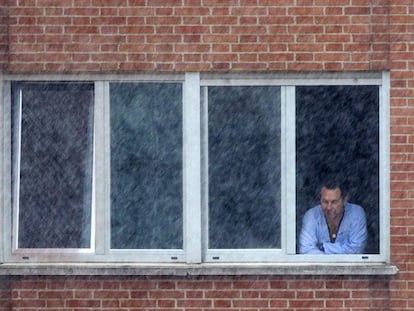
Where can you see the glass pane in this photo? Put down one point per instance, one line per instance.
(52, 131)
(337, 133)
(146, 166)
(244, 167)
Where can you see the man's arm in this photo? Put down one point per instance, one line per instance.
(308, 242)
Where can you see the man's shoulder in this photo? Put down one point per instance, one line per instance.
(314, 211)
(354, 208)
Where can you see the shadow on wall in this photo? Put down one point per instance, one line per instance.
(5, 293)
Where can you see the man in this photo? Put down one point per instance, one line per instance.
(335, 226)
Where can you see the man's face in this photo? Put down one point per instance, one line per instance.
(332, 203)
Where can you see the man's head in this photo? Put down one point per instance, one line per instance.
(333, 197)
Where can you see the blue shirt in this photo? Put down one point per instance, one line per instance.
(351, 236)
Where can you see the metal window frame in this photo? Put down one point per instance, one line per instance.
(288, 82)
(194, 155)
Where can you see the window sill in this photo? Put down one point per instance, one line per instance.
(197, 269)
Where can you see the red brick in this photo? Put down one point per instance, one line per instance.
(194, 303)
(166, 294)
(250, 303)
(222, 294)
(109, 294)
(83, 303)
(310, 303)
(55, 304)
(137, 303)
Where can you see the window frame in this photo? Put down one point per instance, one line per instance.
(18, 115)
(245, 255)
(194, 169)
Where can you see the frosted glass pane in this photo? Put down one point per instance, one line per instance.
(146, 166)
(53, 130)
(244, 167)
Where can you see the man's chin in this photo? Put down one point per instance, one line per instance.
(331, 216)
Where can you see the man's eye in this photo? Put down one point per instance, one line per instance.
(334, 202)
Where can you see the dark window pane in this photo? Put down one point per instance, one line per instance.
(54, 135)
(146, 166)
(337, 133)
(244, 167)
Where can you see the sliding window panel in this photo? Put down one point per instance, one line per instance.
(244, 167)
(338, 136)
(52, 164)
(146, 165)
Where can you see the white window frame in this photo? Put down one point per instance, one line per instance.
(257, 254)
(195, 161)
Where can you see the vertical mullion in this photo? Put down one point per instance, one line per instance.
(101, 204)
(204, 168)
(289, 167)
(192, 168)
(5, 168)
(384, 165)
(15, 163)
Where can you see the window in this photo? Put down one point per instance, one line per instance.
(146, 166)
(337, 132)
(243, 167)
(194, 168)
(52, 165)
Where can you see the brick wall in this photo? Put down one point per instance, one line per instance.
(202, 293)
(5, 293)
(198, 35)
(74, 36)
(3, 35)
(402, 148)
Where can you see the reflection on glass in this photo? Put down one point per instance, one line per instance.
(146, 166)
(52, 156)
(244, 167)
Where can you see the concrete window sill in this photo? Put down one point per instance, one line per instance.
(197, 269)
